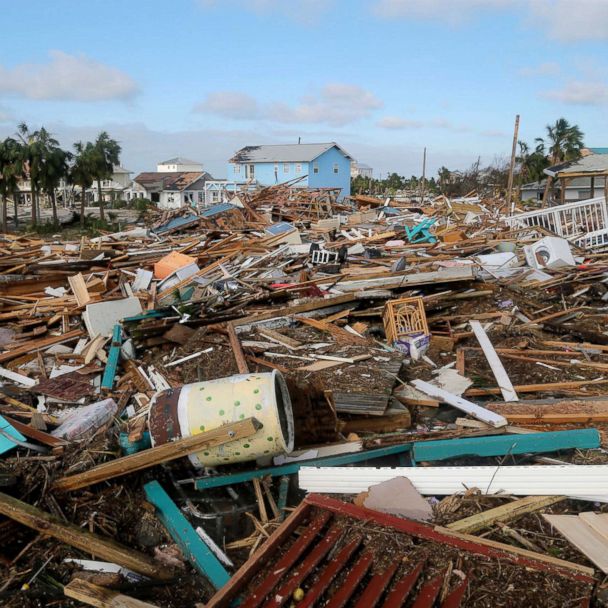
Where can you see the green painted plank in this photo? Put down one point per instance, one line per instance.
(107, 381)
(293, 467)
(499, 445)
(191, 544)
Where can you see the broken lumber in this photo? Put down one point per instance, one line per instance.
(503, 513)
(504, 383)
(100, 597)
(159, 454)
(75, 536)
(473, 409)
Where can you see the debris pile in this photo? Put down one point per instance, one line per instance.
(290, 399)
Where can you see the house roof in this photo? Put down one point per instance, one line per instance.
(284, 153)
(180, 160)
(576, 183)
(175, 180)
(119, 169)
(594, 164)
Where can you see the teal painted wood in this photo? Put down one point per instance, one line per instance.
(7, 429)
(107, 382)
(191, 544)
(500, 445)
(293, 467)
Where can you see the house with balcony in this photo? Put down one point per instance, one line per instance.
(115, 188)
(323, 165)
(172, 190)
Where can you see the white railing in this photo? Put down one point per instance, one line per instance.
(585, 223)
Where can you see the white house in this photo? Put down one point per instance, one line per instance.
(116, 188)
(361, 169)
(179, 164)
(172, 190)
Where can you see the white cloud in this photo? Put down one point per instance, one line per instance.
(563, 20)
(396, 123)
(336, 104)
(67, 77)
(569, 20)
(580, 93)
(549, 68)
(230, 104)
(450, 11)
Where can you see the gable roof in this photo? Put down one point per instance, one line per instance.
(284, 153)
(594, 164)
(175, 180)
(180, 160)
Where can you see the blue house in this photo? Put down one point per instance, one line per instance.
(312, 165)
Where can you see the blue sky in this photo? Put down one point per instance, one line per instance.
(384, 78)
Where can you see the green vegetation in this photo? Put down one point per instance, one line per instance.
(391, 185)
(36, 156)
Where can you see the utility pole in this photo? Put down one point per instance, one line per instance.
(423, 180)
(511, 205)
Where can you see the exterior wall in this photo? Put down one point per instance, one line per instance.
(170, 200)
(326, 178)
(264, 173)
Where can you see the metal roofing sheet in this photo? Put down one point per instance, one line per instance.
(284, 153)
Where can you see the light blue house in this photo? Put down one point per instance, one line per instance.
(307, 165)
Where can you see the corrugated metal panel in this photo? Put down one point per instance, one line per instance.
(589, 481)
(216, 209)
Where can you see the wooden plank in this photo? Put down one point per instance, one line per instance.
(75, 536)
(237, 350)
(583, 537)
(100, 597)
(279, 338)
(535, 388)
(159, 454)
(37, 345)
(503, 513)
(504, 382)
(79, 289)
(473, 409)
(597, 521)
(192, 545)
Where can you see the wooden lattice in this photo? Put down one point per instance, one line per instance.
(404, 317)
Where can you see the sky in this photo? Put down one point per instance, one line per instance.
(383, 78)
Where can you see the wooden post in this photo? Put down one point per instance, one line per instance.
(592, 187)
(511, 205)
(562, 192)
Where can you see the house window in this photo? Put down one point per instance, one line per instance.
(250, 171)
(336, 168)
(285, 167)
(315, 168)
(237, 169)
(298, 168)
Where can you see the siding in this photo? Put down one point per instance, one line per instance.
(326, 178)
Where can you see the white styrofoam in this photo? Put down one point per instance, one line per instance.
(585, 481)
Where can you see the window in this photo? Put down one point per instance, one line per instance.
(298, 168)
(237, 169)
(315, 168)
(250, 171)
(200, 196)
(285, 167)
(336, 168)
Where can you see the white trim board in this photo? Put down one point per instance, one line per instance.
(585, 482)
(481, 413)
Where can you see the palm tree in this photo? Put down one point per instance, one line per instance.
(55, 169)
(33, 157)
(11, 170)
(564, 142)
(82, 171)
(106, 155)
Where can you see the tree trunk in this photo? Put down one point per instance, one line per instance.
(54, 203)
(547, 188)
(100, 195)
(34, 206)
(82, 198)
(4, 213)
(16, 205)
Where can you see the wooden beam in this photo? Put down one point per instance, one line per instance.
(75, 536)
(79, 289)
(237, 350)
(503, 513)
(159, 454)
(535, 388)
(100, 597)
